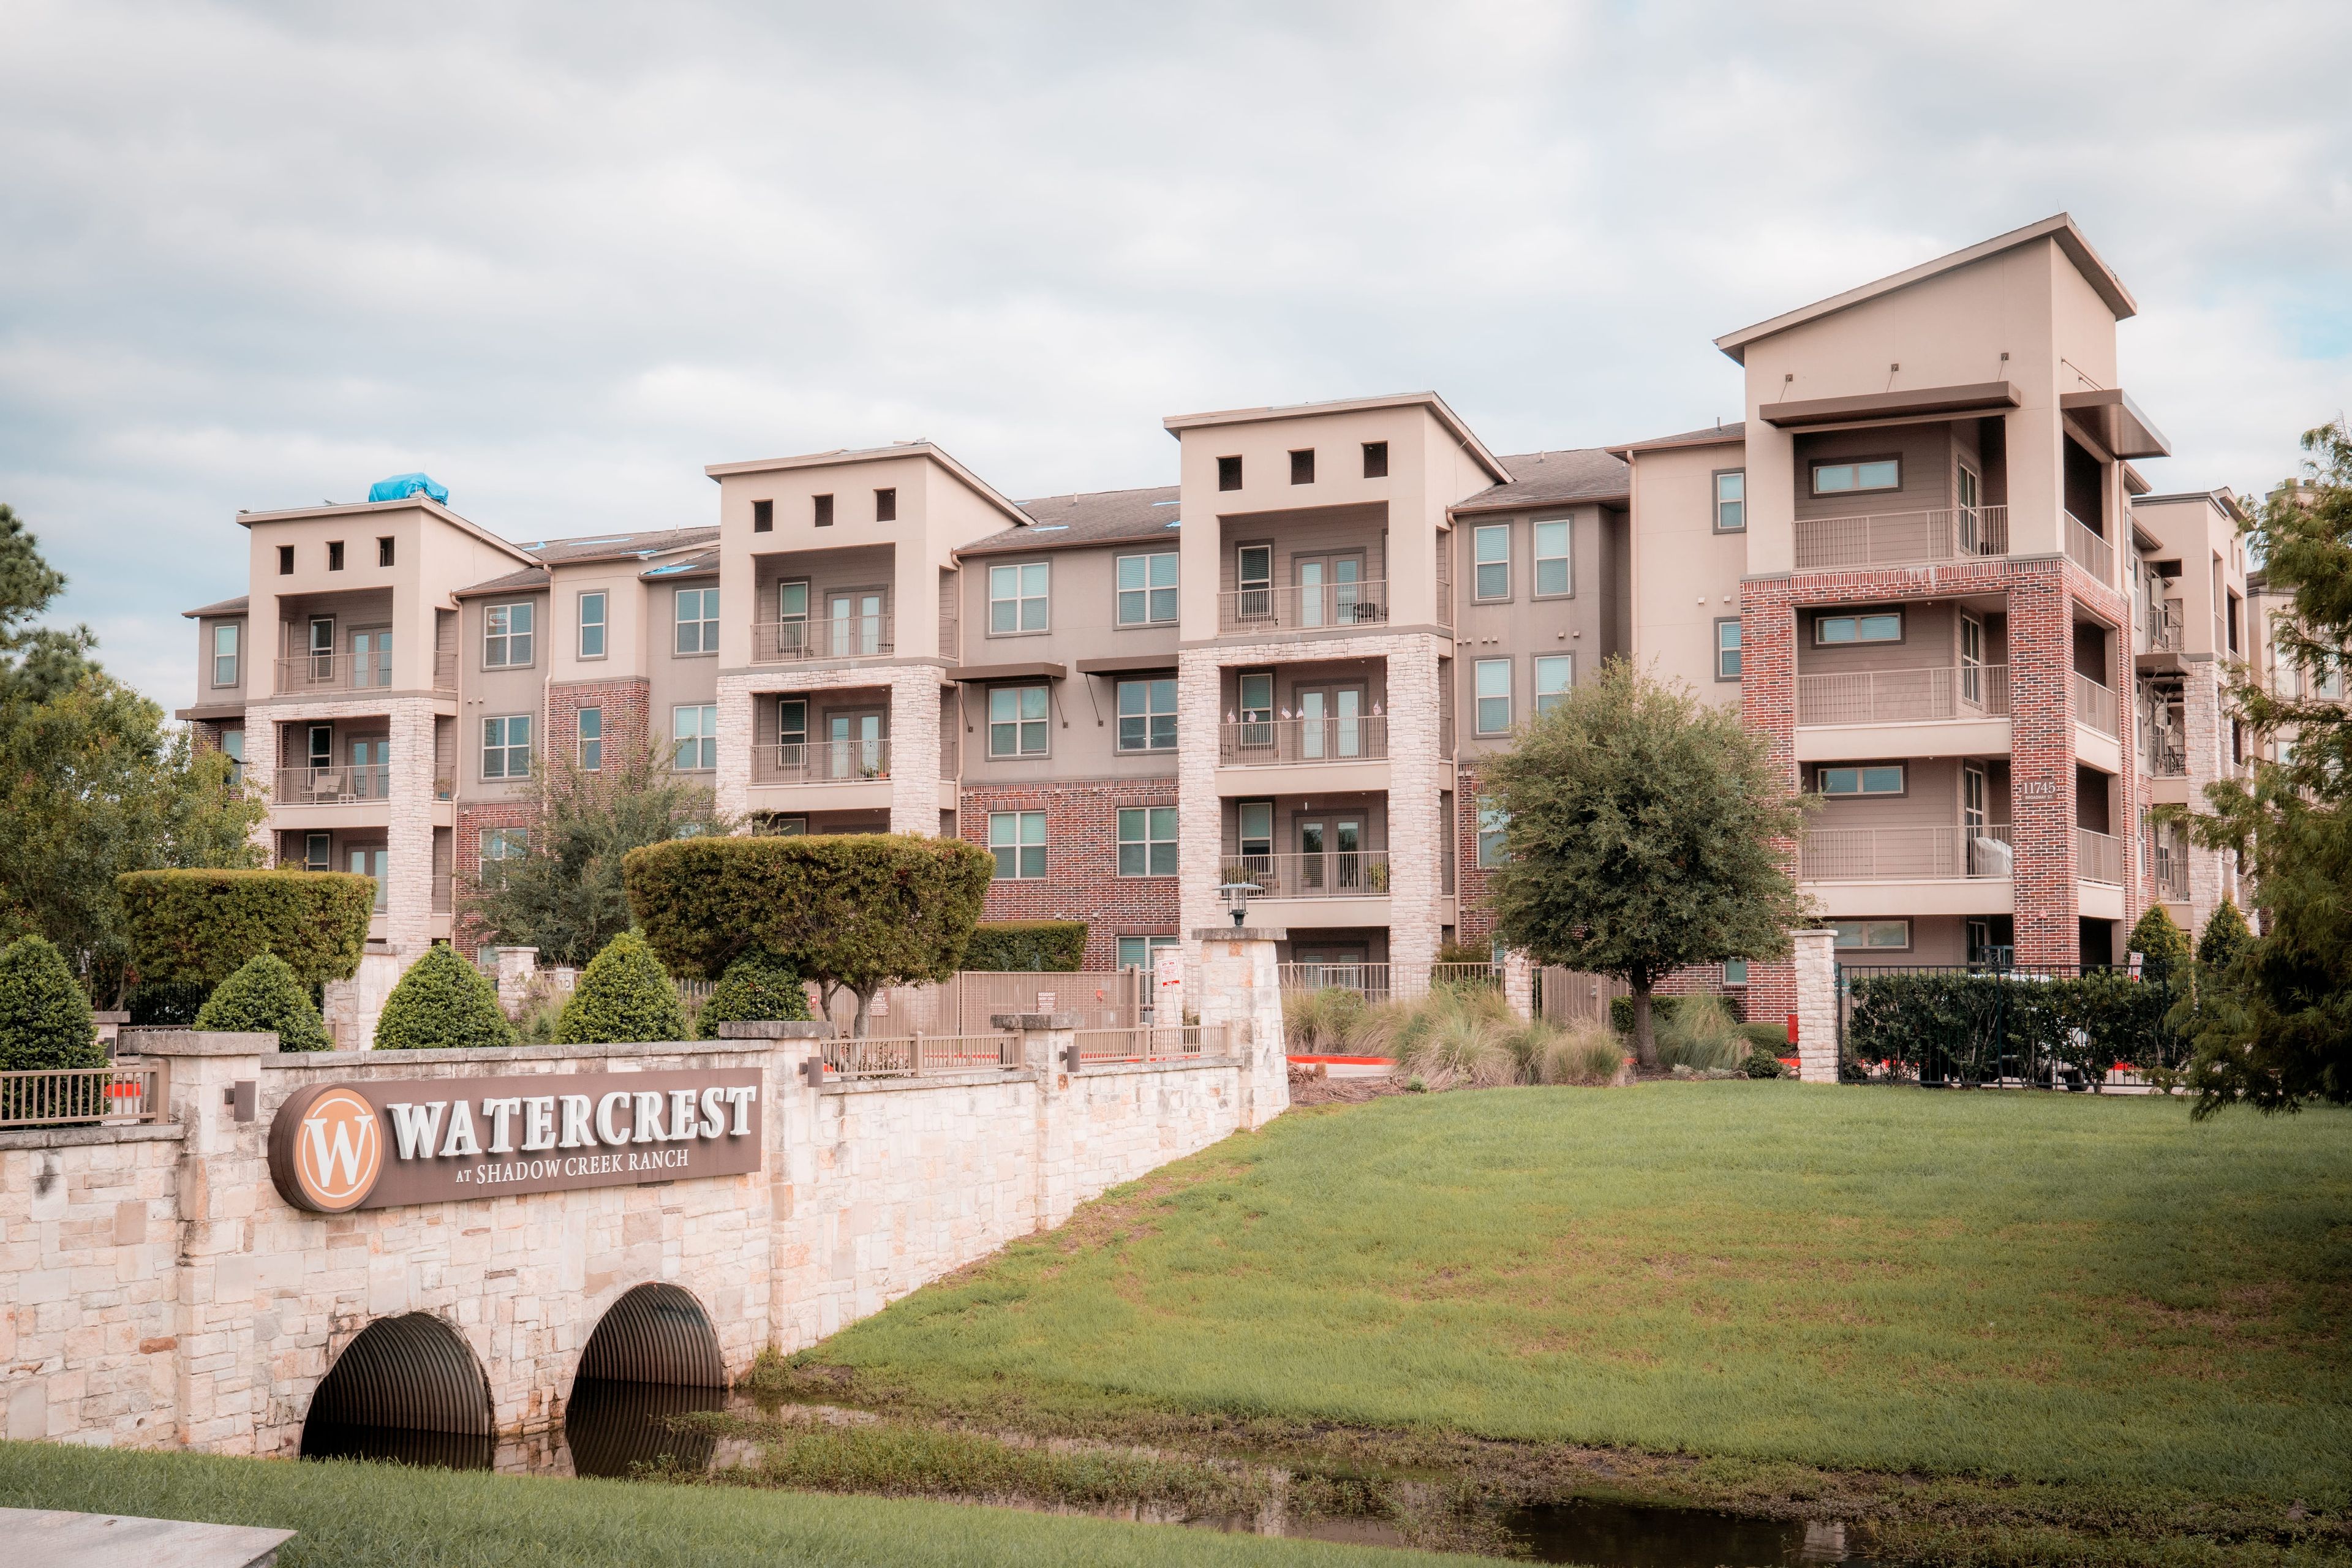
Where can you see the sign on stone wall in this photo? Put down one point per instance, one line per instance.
(379, 1144)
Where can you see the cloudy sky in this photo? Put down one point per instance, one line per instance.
(561, 255)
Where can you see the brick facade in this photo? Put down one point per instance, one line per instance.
(1082, 880)
(626, 705)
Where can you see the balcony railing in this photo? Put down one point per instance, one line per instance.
(842, 636)
(1904, 696)
(1267, 743)
(1320, 606)
(2096, 705)
(1890, 538)
(1335, 874)
(2088, 551)
(2170, 871)
(2098, 856)
(821, 761)
(1383, 982)
(442, 889)
(332, 785)
(328, 672)
(2167, 629)
(46, 1097)
(1904, 854)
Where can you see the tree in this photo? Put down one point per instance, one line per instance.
(564, 894)
(199, 927)
(2225, 936)
(45, 1019)
(1644, 832)
(2273, 1027)
(442, 1002)
(266, 998)
(757, 986)
(623, 995)
(853, 912)
(2162, 946)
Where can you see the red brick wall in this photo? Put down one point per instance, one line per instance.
(628, 711)
(1082, 880)
(466, 858)
(1473, 926)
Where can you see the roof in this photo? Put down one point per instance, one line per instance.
(1551, 479)
(841, 454)
(702, 563)
(411, 503)
(1101, 517)
(1715, 435)
(530, 579)
(2222, 498)
(1177, 423)
(619, 546)
(236, 606)
(2059, 227)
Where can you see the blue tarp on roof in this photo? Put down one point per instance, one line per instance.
(399, 487)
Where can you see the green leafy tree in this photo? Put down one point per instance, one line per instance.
(266, 996)
(623, 995)
(442, 1002)
(2162, 945)
(199, 927)
(1644, 832)
(2225, 936)
(45, 1019)
(757, 986)
(564, 894)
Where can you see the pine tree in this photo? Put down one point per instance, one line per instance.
(44, 1020)
(442, 1002)
(266, 998)
(2162, 945)
(624, 995)
(2225, 936)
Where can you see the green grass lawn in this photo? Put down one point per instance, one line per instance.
(2062, 1289)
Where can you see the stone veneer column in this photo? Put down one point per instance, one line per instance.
(1046, 1041)
(1199, 815)
(261, 765)
(408, 838)
(1519, 982)
(914, 749)
(1416, 833)
(1241, 991)
(732, 783)
(1817, 1005)
(2205, 744)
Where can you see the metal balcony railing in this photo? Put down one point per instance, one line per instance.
(332, 785)
(2096, 706)
(1904, 854)
(2098, 856)
(2088, 550)
(441, 892)
(2170, 872)
(1309, 608)
(1888, 538)
(842, 636)
(1266, 742)
(1904, 696)
(821, 761)
(1334, 874)
(2167, 629)
(329, 672)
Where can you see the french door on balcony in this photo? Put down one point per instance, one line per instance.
(1329, 587)
(856, 623)
(1332, 723)
(1331, 853)
(371, 768)
(372, 656)
(856, 749)
(1972, 650)
(369, 861)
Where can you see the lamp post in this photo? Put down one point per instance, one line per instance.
(1236, 896)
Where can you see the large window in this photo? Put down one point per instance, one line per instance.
(1147, 841)
(506, 747)
(1147, 589)
(1017, 598)
(1731, 501)
(1017, 721)
(1555, 673)
(1553, 580)
(697, 620)
(1490, 555)
(1147, 715)
(224, 654)
(1867, 474)
(591, 626)
(1885, 627)
(1727, 648)
(500, 845)
(1887, 936)
(1493, 822)
(1017, 839)
(1135, 952)
(506, 636)
(232, 745)
(695, 732)
(1494, 695)
(1878, 778)
(592, 739)
(1256, 821)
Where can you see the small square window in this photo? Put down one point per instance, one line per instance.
(1376, 459)
(1147, 841)
(286, 569)
(823, 511)
(764, 517)
(1735, 971)
(592, 739)
(499, 846)
(507, 635)
(1490, 554)
(885, 506)
(1302, 466)
(696, 621)
(1494, 696)
(384, 552)
(1018, 598)
(334, 555)
(1017, 721)
(1727, 648)
(1146, 589)
(1147, 715)
(1731, 501)
(506, 747)
(1017, 840)
(1229, 473)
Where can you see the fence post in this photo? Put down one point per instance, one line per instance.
(1817, 1005)
(1519, 982)
(1241, 985)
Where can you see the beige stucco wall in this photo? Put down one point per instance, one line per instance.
(1684, 576)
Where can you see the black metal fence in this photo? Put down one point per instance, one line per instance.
(2020, 1026)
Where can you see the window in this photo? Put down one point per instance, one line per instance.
(506, 636)
(791, 618)
(1882, 778)
(232, 745)
(1376, 459)
(1731, 499)
(1889, 936)
(1870, 474)
(697, 620)
(1017, 839)
(1493, 822)
(224, 654)
(791, 730)
(764, 517)
(1255, 819)
(383, 551)
(695, 730)
(1147, 841)
(1885, 627)
(1146, 589)
(1017, 598)
(787, 827)
(886, 505)
(1135, 952)
(500, 845)
(1727, 648)
(286, 569)
(318, 851)
(1552, 580)
(1555, 673)
(1735, 971)
(1494, 695)
(1017, 722)
(821, 510)
(1302, 466)
(506, 747)
(1253, 575)
(334, 555)
(591, 626)
(1229, 473)
(1147, 715)
(1490, 551)
(592, 740)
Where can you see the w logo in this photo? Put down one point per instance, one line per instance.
(337, 1153)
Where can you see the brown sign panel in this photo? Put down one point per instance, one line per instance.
(371, 1145)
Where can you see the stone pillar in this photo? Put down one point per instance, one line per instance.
(1167, 998)
(1241, 990)
(1418, 777)
(1519, 984)
(518, 966)
(1199, 813)
(1047, 1039)
(408, 835)
(915, 750)
(731, 785)
(355, 1006)
(1817, 1005)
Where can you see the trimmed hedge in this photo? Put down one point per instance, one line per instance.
(1056, 945)
(442, 1002)
(44, 1020)
(622, 996)
(757, 986)
(267, 997)
(1979, 1027)
(201, 927)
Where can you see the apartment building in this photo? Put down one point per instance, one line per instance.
(1921, 562)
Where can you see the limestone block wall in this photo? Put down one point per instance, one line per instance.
(915, 732)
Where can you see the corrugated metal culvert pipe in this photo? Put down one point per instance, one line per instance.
(656, 1334)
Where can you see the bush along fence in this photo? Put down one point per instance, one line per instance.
(2039, 1026)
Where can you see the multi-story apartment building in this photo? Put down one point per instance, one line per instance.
(1921, 563)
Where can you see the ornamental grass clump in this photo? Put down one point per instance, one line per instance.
(623, 995)
(267, 997)
(44, 1020)
(1587, 1055)
(1451, 1038)
(442, 1002)
(757, 986)
(1324, 1021)
(1704, 1037)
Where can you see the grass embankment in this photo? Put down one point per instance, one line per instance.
(1971, 1318)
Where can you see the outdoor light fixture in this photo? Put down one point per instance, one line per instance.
(1236, 896)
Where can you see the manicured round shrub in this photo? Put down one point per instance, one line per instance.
(1763, 1063)
(442, 1002)
(266, 998)
(623, 995)
(757, 986)
(45, 1019)
(2163, 946)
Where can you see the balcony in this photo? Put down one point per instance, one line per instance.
(2170, 870)
(1904, 854)
(842, 636)
(1895, 538)
(332, 785)
(2098, 707)
(1334, 874)
(1280, 742)
(2098, 856)
(822, 762)
(1904, 696)
(1321, 606)
(2167, 629)
(331, 674)
(2088, 551)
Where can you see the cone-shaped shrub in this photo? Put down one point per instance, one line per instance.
(264, 998)
(442, 1002)
(757, 986)
(45, 1019)
(2224, 937)
(2162, 946)
(624, 995)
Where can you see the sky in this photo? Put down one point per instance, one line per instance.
(561, 255)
